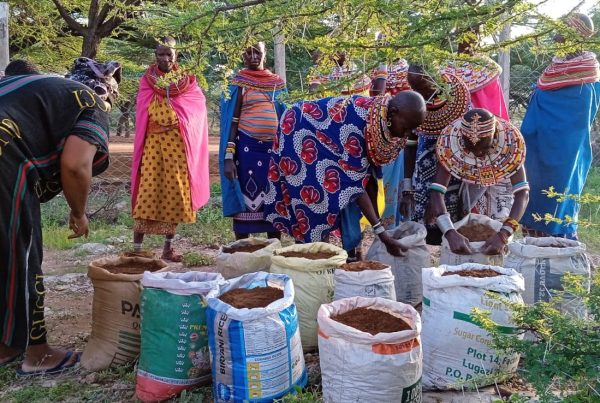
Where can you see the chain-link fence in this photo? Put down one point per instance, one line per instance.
(522, 81)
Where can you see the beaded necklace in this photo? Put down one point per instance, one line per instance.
(456, 106)
(382, 147)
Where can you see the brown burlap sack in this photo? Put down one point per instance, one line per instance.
(115, 337)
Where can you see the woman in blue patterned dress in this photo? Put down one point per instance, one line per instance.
(323, 158)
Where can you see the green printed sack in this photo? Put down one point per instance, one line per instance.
(174, 351)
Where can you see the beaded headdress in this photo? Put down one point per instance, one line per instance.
(575, 21)
(476, 130)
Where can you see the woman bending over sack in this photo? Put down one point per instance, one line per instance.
(479, 149)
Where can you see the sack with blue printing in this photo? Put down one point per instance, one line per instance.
(256, 353)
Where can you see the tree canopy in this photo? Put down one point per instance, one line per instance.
(213, 34)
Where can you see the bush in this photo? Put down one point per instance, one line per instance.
(561, 353)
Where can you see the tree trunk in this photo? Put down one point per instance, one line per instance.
(279, 56)
(4, 56)
(504, 62)
(91, 43)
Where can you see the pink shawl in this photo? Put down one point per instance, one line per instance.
(190, 107)
(491, 98)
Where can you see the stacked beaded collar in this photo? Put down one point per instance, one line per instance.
(476, 73)
(505, 158)
(382, 148)
(456, 106)
(260, 80)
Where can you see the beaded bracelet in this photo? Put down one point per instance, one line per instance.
(231, 144)
(230, 150)
(436, 187)
(235, 120)
(508, 229)
(411, 143)
(511, 222)
(444, 223)
(519, 187)
(407, 185)
(228, 156)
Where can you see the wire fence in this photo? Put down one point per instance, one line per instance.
(123, 127)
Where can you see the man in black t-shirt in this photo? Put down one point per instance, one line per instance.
(53, 138)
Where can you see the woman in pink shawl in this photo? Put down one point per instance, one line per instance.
(169, 176)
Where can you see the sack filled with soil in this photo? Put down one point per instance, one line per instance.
(115, 336)
(543, 262)
(405, 269)
(364, 279)
(457, 352)
(477, 229)
(370, 351)
(174, 354)
(254, 339)
(246, 256)
(311, 267)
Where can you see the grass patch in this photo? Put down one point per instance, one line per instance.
(38, 393)
(210, 229)
(7, 374)
(193, 259)
(300, 396)
(56, 237)
(590, 234)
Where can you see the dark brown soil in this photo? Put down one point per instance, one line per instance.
(473, 273)
(372, 321)
(362, 266)
(133, 267)
(309, 255)
(476, 232)
(258, 297)
(243, 248)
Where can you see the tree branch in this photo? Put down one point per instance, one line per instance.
(64, 13)
(222, 9)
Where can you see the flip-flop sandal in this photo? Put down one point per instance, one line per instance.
(59, 368)
(12, 360)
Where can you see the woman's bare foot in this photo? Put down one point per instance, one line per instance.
(171, 256)
(43, 357)
(8, 354)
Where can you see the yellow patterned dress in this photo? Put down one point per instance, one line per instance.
(164, 198)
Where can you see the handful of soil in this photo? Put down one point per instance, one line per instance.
(476, 232)
(258, 297)
(473, 273)
(133, 267)
(243, 248)
(371, 321)
(362, 266)
(309, 255)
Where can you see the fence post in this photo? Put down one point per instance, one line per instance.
(504, 62)
(279, 58)
(3, 36)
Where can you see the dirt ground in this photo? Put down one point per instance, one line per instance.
(68, 315)
(69, 311)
